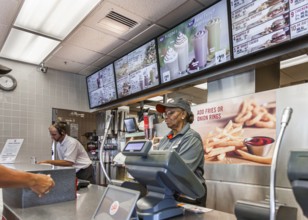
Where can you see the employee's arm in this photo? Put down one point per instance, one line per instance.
(39, 183)
(64, 163)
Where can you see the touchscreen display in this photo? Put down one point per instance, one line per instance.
(116, 205)
(134, 146)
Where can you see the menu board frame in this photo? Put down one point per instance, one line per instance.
(216, 52)
(99, 86)
(132, 80)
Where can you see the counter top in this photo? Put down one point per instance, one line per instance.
(83, 208)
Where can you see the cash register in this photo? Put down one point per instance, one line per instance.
(163, 173)
(298, 176)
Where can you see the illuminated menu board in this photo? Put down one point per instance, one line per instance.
(137, 70)
(196, 44)
(298, 18)
(259, 24)
(101, 87)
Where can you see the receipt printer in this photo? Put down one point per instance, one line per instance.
(298, 176)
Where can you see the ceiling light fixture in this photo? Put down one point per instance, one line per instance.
(53, 18)
(27, 47)
(294, 61)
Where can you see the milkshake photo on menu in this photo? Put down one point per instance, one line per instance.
(196, 44)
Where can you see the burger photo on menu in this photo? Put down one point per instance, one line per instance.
(281, 36)
(280, 23)
(278, 9)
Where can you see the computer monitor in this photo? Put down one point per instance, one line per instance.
(116, 203)
(130, 125)
(163, 173)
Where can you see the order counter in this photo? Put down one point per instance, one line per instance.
(83, 208)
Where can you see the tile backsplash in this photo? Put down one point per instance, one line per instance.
(26, 112)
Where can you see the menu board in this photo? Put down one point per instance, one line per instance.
(298, 18)
(196, 44)
(101, 87)
(137, 70)
(259, 24)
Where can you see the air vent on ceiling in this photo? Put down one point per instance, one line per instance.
(117, 23)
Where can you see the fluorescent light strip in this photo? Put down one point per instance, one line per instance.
(202, 86)
(53, 18)
(294, 61)
(27, 47)
(155, 99)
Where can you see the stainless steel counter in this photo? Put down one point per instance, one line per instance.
(83, 208)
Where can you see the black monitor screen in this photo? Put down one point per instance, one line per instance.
(101, 87)
(196, 44)
(137, 71)
(116, 203)
(257, 25)
(130, 125)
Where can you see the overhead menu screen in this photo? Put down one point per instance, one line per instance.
(298, 18)
(196, 44)
(137, 70)
(101, 87)
(260, 24)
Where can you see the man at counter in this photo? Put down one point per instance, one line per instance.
(70, 152)
(184, 140)
(38, 183)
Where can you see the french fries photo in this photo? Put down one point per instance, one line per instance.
(223, 141)
(252, 114)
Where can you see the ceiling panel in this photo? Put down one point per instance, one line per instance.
(124, 49)
(180, 14)
(8, 13)
(104, 9)
(148, 34)
(64, 64)
(94, 40)
(103, 61)
(149, 9)
(77, 54)
(89, 70)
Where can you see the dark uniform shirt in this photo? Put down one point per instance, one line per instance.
(188, 144)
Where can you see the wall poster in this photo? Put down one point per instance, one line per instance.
(240, 130)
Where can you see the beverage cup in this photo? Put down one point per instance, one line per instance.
(171, 61)
(181, 47)
(213, 27)
(201, 47)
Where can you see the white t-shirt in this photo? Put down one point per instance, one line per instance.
(72, 150)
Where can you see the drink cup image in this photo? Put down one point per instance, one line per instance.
(213, 27)
(181, 47)
(171, 61)
(201, 47)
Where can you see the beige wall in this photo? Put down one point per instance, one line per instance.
(26, 112)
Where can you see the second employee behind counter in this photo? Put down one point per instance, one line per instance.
(184, 140)
(70, 152)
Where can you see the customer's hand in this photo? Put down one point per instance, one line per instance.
(42, 184)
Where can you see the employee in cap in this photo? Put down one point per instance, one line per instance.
(183, 139)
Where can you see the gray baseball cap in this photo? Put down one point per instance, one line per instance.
(176, 103)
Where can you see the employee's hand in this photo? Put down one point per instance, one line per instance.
(41, 184)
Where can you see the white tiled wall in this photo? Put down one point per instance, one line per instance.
(26, 112)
